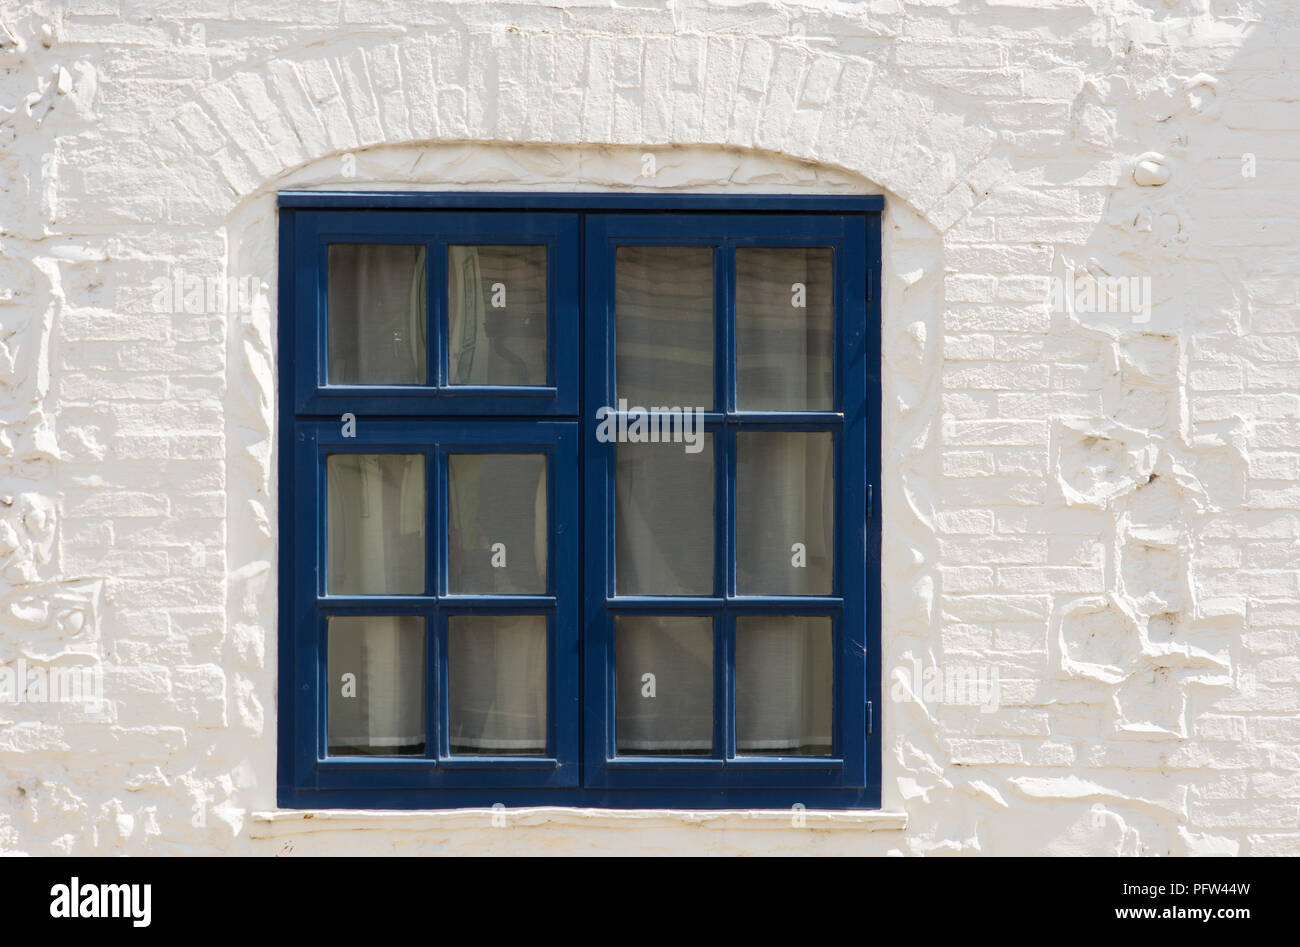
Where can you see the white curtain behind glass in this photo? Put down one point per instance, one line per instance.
(664, 326)
(783, 334)
(664, 519)
(785, 513)
(497, 502)
(375, 524)
(783, 685)
(496, 669)
(382, 711)
(664, 684)
(376, 314)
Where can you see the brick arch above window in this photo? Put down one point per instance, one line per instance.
(243, 133)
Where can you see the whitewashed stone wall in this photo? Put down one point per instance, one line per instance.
(1099, 507)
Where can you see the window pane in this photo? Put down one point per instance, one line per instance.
(663, 685)
(376, 686)
(375, 524)
(663, 524)
(497, 530)
(496, 311)
(785, 303)
(784, 686)
(376, 314)
(496, 683)
(785, 509)
(663, 304)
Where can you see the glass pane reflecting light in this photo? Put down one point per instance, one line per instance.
(496, 310)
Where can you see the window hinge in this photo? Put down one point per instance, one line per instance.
(869, 720)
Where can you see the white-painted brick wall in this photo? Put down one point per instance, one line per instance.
(1099, 507)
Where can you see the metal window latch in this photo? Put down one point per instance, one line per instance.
(870, 502)
(869, 720)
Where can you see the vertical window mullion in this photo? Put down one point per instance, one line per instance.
(725, 544)
(433, 518)
(437, 295)
(433, 306)
(724, 367)
(724, 505)
(726, 702)
(440, 503)
(725, 725)
(727, 349)
(442, 733)
(605, 375)
(432, 690)
(434, 651)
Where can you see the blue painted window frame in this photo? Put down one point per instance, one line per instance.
(580, 231)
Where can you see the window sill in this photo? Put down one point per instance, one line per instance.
(276, 823)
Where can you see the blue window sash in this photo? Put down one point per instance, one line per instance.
(581, 769)
(846, 767)
(315, 441)
(316, 230)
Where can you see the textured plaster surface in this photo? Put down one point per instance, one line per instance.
(1095, 511)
